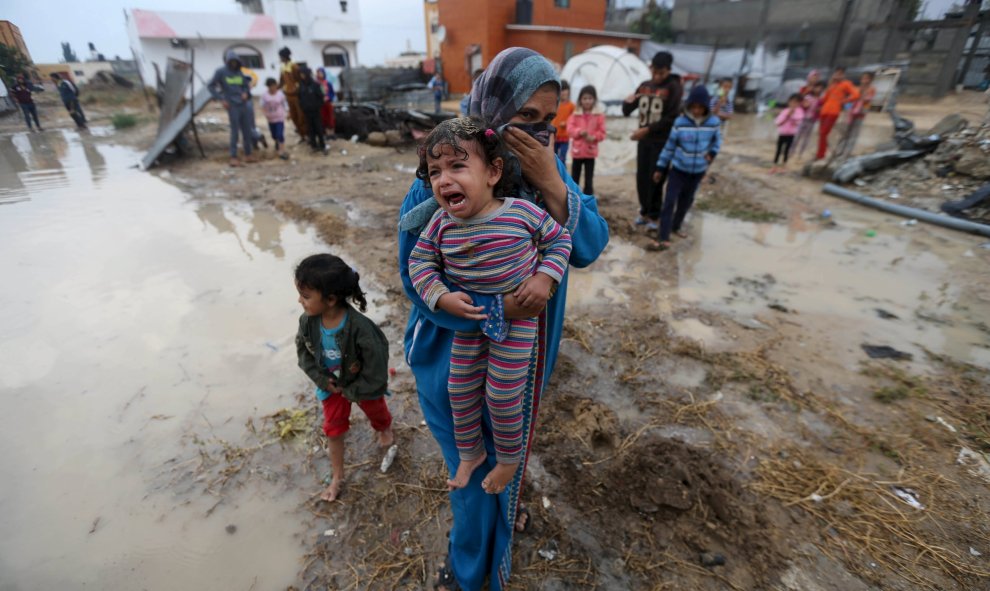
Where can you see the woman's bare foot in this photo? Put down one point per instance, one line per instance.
(331, 492)
(464, 471)
(500, 477)
(386, 438)
(681, 234)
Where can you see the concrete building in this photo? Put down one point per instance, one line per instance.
(82, 72)
(10, 36)
(470, 34)
(815, 33)
(319, 33)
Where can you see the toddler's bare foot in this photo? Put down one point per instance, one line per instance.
(386, 438)
(331, 492)
(500, 477)
(464, 471)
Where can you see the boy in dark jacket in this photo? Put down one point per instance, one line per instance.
(311, 103)
(659, 101)
(21, 91)
(70, 98)
(693, 144)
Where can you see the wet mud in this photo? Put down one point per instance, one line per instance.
(712, 422)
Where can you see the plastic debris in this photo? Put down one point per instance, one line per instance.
(546, 503)
(974, 552)
(711, 559)
(945, 424)
(885, 352)
(908, 495)
(389, 458)
(910, 222)
(871, 233)
(549, 552)
(977, 462)
(330, 533)
(827, 213)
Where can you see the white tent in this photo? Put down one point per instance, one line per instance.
(613, 71)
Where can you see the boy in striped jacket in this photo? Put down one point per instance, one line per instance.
(482, 241)
(693, 144)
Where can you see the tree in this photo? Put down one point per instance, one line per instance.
(67, 54)
(655, 22)
(12, 63)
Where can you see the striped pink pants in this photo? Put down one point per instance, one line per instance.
(485, 372)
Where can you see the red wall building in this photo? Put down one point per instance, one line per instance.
(476, 31)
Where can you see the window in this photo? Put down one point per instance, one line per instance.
(290, 31)
(334, 56)
(797, 54)
(562, 3)
(249, 56)
(568, 50)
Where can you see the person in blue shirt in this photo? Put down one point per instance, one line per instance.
(519, 88)
(693, 144)
(436, 84)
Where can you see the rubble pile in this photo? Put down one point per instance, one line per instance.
(956, 169)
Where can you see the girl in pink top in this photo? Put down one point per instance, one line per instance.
(586, 128)
(787, 125)
(275, 107)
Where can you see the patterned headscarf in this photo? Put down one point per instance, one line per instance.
(508, 82)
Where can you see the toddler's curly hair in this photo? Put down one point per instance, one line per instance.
(452, 133)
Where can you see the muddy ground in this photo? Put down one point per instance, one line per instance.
(678, 447)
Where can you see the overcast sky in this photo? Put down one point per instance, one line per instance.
(386, 25)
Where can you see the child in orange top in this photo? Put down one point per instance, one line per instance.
(839, 92)
(858, 113)
(564, 111)
(587, 126)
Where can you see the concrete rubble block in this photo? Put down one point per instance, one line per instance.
(377, 138)
(819, 169)
(393, 137)
(973, 162)
(948, 125)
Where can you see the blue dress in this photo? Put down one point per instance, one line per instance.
(481, 536)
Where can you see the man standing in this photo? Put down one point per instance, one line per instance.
(69, 93)
(436, 84)
(21, 91)
(839, 92)
(289, 83)
(659, 102)
(233, 87)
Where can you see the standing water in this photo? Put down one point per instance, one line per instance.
(132, 316)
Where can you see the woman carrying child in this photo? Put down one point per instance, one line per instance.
(519, 87)
(343, 352)
(587, 130)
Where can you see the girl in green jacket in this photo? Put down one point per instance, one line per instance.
(343, 352)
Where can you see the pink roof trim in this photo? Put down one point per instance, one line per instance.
(263, 27)
(150, 24)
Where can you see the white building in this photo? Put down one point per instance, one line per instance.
(319, 33)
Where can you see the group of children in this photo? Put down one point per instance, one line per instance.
(821, 103)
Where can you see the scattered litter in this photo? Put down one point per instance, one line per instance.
(343, 152)
(289, 423)
(969, 254)
(871, 233)
(330, 533)
(978, 462)
(404, 536)
(355, 138)
(945, 424)
(751, 324)
(895, 194)
(910, 222)
(885, 352)
(826, 214)
(859, 182)
(711, 559)
(974, 552)
(422, 423)
(550, 552)
(546, 503)
(392, 371)
(886, 315)
(389, 458)
(271, 346)
(985, 246)
(407, 551)
(908, 495)
(231, 529)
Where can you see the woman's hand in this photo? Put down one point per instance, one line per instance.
(459, 304)
(534, 291)
(539, 168)
(513, 310)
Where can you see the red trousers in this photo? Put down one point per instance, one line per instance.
(326, 113)
(337, 414)
(825, 125)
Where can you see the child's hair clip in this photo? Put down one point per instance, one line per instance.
(489, 132)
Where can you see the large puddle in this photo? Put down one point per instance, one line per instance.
(130, 317)
(841, 282)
